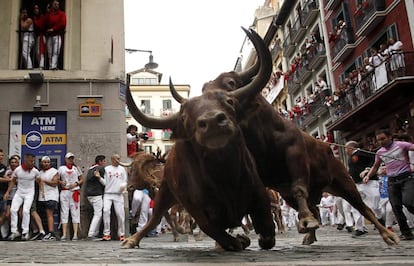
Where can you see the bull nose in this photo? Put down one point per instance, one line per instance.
(209, 120)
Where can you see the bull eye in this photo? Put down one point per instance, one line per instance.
(231, 84)
(230, 101)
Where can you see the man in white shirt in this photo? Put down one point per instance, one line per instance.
(115, 183)
(49, 195)
(70, 181)
(25, 176)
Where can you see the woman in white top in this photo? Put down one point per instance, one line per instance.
(378, 62)
(397, 57)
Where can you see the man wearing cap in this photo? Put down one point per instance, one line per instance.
(25, 176)
(70, 181)
(49, 194)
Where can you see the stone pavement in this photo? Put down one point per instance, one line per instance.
(333, 248)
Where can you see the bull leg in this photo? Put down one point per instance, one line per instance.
(277, 216)
(263, 221)
(306, 220)
(222, 238)
(310, 236)
(163, 201)
(299, 188)
(344, 187)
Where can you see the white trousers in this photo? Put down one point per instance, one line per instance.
(54, 44)
(338, 211)
(386, 211)
(97, 205)
(118, 201)
(21, 199)
(68, 204)
(140, 200)
(327, 216)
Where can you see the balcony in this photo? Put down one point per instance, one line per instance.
(298, 30)
(316, 56)
(29, 43)
(369, 100)
(288, 46)
(275, 50)
(293, 83)
(344, 45)
(332, 4)
(304, 73)
(310, 12)
(165, 112)
(369, 15)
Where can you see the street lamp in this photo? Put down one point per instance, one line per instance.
(151, 64)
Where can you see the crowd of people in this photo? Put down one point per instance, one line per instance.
(41, 36)
(30, 196)
(383, 177)
(384, 64)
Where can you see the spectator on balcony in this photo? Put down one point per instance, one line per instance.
(39, 22)
(56, 24)
(332, 35)
(378, 62)
(323, 87)
(26, 29)
(397, 58)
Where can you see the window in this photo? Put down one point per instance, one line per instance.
(35, 50)
(166, 104)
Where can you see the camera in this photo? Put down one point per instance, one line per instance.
(144, 136)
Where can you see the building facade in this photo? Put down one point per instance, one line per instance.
(79, 106)
(335, 85)
(156, 100)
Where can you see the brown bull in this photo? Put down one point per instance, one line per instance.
(146, 172)
(209, 170)
(290, 161)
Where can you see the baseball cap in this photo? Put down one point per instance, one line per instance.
(69, 154)
(45, 158)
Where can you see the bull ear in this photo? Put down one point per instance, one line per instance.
(265, 70)
(145, 120)
(175, 94)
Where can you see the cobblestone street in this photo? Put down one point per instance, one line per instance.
(333, 248)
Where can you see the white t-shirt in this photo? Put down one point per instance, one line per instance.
(69, 175)
(115, 177)
(14, 188)
(51, 193)
(25, 180)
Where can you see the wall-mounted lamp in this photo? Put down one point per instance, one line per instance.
(151, 64)
(37, 106)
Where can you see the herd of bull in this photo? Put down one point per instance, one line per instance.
(230, 144)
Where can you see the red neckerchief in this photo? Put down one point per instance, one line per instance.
(69, 166)
(25, 168)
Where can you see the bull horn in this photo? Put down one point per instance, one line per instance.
(146, 120)
(247, 75)
(265, 71)
(125, 164)
(175, 93)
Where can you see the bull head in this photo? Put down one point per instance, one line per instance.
(209, 118)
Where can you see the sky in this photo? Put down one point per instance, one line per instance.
(192, 41)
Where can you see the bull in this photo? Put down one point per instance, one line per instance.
(291, 161)
(209, 170)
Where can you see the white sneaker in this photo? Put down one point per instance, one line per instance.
(13, 236)
(26, 237)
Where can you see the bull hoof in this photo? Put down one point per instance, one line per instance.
(309, 239)
(129, 243)
(244, 240)
(306, 224)
(267, 242)
(390, 238)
